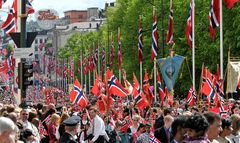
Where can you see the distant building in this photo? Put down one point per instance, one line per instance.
(74, 16)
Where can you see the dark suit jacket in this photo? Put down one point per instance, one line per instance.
(67, 138)
(161, 135)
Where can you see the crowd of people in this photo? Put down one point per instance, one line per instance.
(121, 123)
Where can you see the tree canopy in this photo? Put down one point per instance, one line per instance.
(125, 15)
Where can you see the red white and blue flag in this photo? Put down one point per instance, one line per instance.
(140, 42)
(77, 96)
(119, 51)
(154, 36)
(214, 17)
(10, 25)
(191, 98)
(169, 38)
(139, 97)
(189, 24)
(160, 89)
(29, 8)
(103, 60)
(114, 86)
(153, 139)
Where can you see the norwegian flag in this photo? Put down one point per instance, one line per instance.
(127, 122)
(85, 64)
(96, 57)
(146, 88)
(47, 120)
(10, 25)
(152, 139)
(191, 97)
(112, 123)
(77, 96)
(114, 86)
(160, 89)
(189, 24)
(29, 8)
(112, 54)
(154, 36)
(42, 130)
(139, 97)
(96, 87)
(222, 111)
(214, 17)
(169, 38)
(140, 41)
(119, 51)
(2, 2)
(208, 89)
(103, 60)
(230, 3)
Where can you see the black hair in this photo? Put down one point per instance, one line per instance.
(226, 123)
(167, 111)
(198, 123)
(178, 122)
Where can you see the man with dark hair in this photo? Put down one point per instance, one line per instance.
(215, 125)
(178, 131)
(98, 127)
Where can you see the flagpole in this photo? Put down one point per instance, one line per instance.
(119, 75)
(221, 41)
(89, 81)
(81, 59)
(193, 44)
(155, 85)
(98, 61)
(140, 74)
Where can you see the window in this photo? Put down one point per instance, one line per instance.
(36, 48)
(80, 16)
(36, 56)
(41, 41)
(36, 41)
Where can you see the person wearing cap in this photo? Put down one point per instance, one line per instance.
(72, 127)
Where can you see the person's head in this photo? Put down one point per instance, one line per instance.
(13, 117)
(92, 112)
(7, 130)
(148, 128)
(63, 117)
(196, 125)
(24, 114)
(226, 127)
(136, 119)
(235, 123)
(168, 121)
(35, 122)
(126, 112)
(28, 135)
(178, 130)
(55, 118)
(167, 111)
(141, 128)
(72, 125)
(215, 125)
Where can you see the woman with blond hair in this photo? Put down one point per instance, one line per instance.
(61, 127)
(52, 128)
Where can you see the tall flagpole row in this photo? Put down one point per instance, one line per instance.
(193, 44)
(221, 41)
(155, 81)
